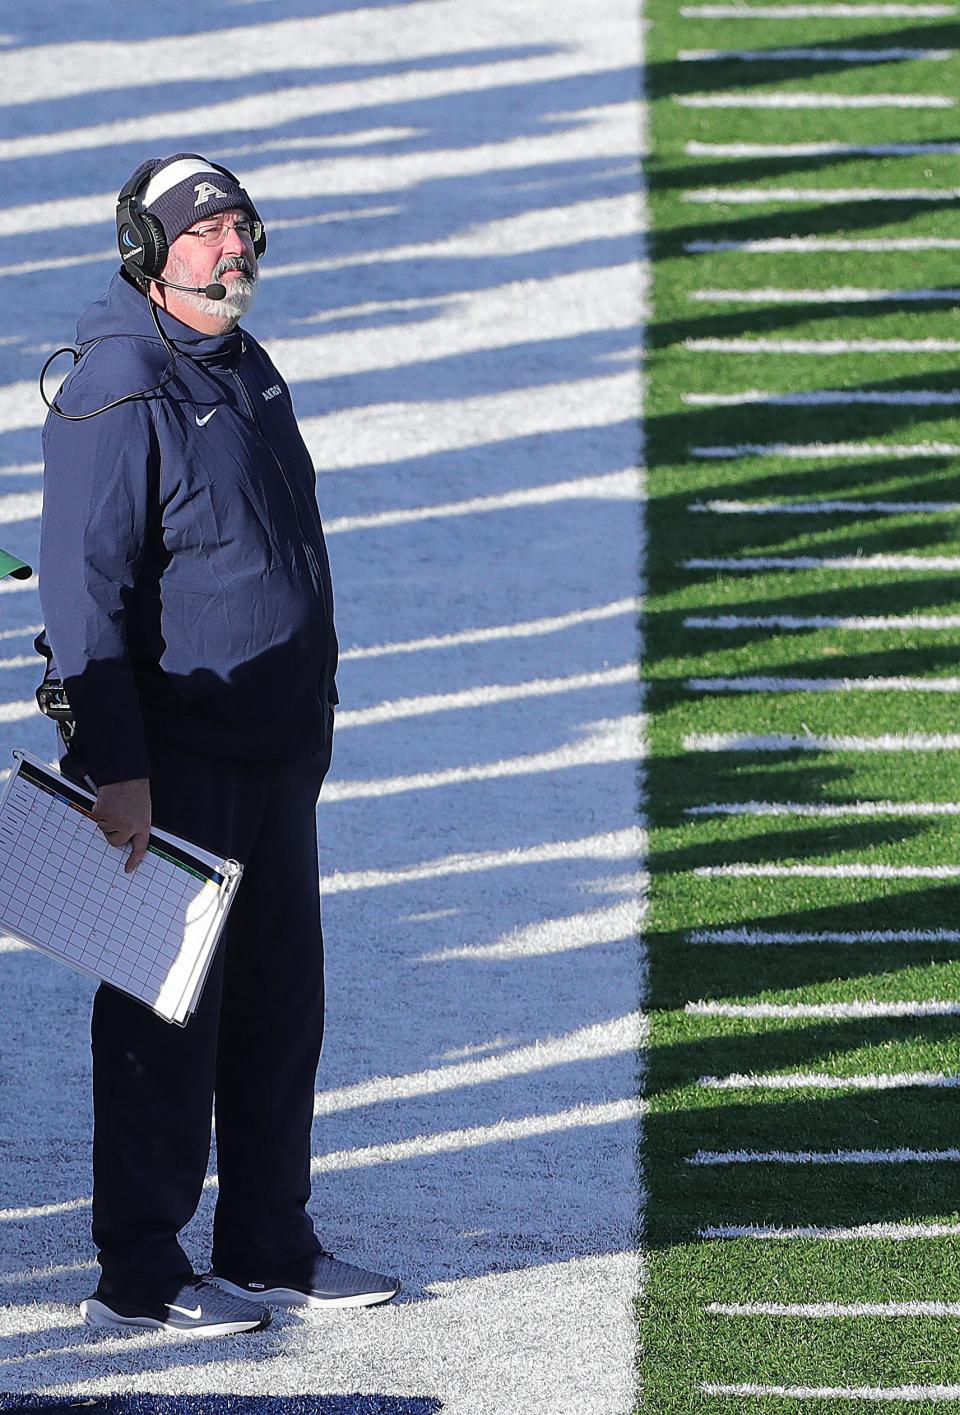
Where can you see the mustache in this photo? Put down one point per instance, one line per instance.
(235, 262)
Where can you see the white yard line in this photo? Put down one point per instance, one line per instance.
(828, 398)
(824, 450)
(812, 53)
(820, 742)
(856, 563)
(782, 245)
(918, 1394)
(859, 871)
(770, 684)
(695, 148)
(827, 508)
(835, 295)
(890, 1232)
(856, 623)
(932, 1007)
(828, 1310)
(814, 196)
(779, 101)
(822, 810)
(823, 346)
(816, 12)
(821, 1157)
(752, 937)
(821, 1081)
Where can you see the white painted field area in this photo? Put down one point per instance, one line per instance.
(453, 288)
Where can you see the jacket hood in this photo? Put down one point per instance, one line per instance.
(123, 311)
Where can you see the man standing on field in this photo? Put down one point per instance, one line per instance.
(186, 592)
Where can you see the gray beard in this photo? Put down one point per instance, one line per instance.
(241, 291)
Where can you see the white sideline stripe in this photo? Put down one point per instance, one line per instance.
(66, 1206)
(618, 924)
(898, 450)
(933, 1007)
(820, 742)
(18, 633)
(860, 623)
(484, 696)
(896, 1232)
(20, 506)
(824, 562)
(711, 1157)
(828, 398)
(823, 685)
(814, 100)
(834, 295)
(446, 1142)
(24, 660)
(820, 149)
(613, 486)
(764, 936)
(769, 196)
(826, 508)
(824, 346)
(19, 711)
(819, 1081)
(778, 245)
(918, 1394)
(612, 740)
(837, 810)
(744, 871)
(527, 629)
(627, 844)
(420, 1147)
(834, 1309)
(785, 56)
(806, 12)
(17, 469)
(605, 1039)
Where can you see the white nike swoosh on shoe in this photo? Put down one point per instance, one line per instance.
(185, 1310)
(202, 421)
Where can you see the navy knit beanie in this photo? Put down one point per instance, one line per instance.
(185, 188)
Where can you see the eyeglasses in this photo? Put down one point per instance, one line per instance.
(216, 234)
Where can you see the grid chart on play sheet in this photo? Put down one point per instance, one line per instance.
(64, 887)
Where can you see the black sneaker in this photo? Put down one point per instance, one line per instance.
(195, 1306)
(329, 1283)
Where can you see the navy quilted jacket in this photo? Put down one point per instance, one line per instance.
(184, 579)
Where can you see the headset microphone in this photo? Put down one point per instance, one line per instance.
(214, 291)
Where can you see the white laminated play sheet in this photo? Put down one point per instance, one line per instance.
(63, 889)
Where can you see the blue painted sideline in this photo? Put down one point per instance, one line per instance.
(140, 1404)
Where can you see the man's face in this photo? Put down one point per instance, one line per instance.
(229, 260)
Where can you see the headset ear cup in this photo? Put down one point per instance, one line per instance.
(155, 249)
(260, 245)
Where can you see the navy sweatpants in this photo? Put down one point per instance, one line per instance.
(250, 1050)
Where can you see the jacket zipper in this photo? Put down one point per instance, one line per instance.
(308, 548)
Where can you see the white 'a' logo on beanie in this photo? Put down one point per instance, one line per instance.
(206, 190)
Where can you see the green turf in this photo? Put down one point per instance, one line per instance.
(684, 1346)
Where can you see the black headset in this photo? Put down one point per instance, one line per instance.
(141, 239)
(143, 249)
